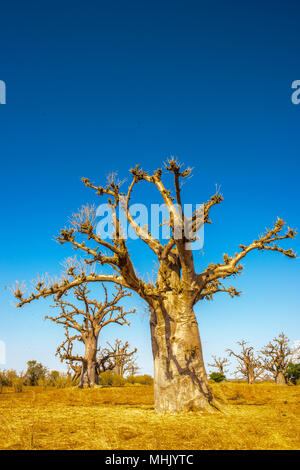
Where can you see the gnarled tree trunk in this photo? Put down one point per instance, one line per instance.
(251, 376)
(89, 376)
(280, 379)
(180, 381)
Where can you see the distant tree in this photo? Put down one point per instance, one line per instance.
(35, 372)
(220, 364)
(87, 317)
(133, 369)
(117, 357)
(217, 377)
(7, 377)
(53, 376)
(249, 366)
(293, 373)
(277, 355)
(140, 379)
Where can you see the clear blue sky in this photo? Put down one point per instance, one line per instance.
(99, 86)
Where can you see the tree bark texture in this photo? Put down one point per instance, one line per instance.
(180, 381)
(89, 376)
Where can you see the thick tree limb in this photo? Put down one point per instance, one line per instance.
(231, 264)
(65, 285)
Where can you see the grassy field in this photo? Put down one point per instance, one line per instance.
(259, 416)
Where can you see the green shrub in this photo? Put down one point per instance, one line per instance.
(130, 379)
(118, 381)
(106, 378)
(7, 377)
(18, 385)
(35, 372)
(140, 379)
(53, 376)
(110, 379)
(43, 382)
(217, 377)
(293, 373)
(63, 381)
(10, 378)
(55, 379)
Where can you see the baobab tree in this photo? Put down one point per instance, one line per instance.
(277, 355)
(132, 369)
(249, 366)
(180, 380)
(87, 317)
(220, 363)
(117, 357)
(107, 358)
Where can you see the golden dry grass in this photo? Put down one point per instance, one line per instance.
(259, 416)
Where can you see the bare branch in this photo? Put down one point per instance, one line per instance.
(231, 264)
(220, 363)
(116, 357)
(216, 286)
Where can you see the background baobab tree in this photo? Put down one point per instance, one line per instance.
(133, 369)
(277, 355)
(180, 380)
(117, 357)
(86, 317)
(249, 366)
(220, 363)
(107, 358)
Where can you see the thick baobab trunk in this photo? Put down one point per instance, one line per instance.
(89, 376)
(250, 377)
(118, 370)
(280, 379)
(180, 381)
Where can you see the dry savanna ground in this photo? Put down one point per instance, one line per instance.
(259, 416)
